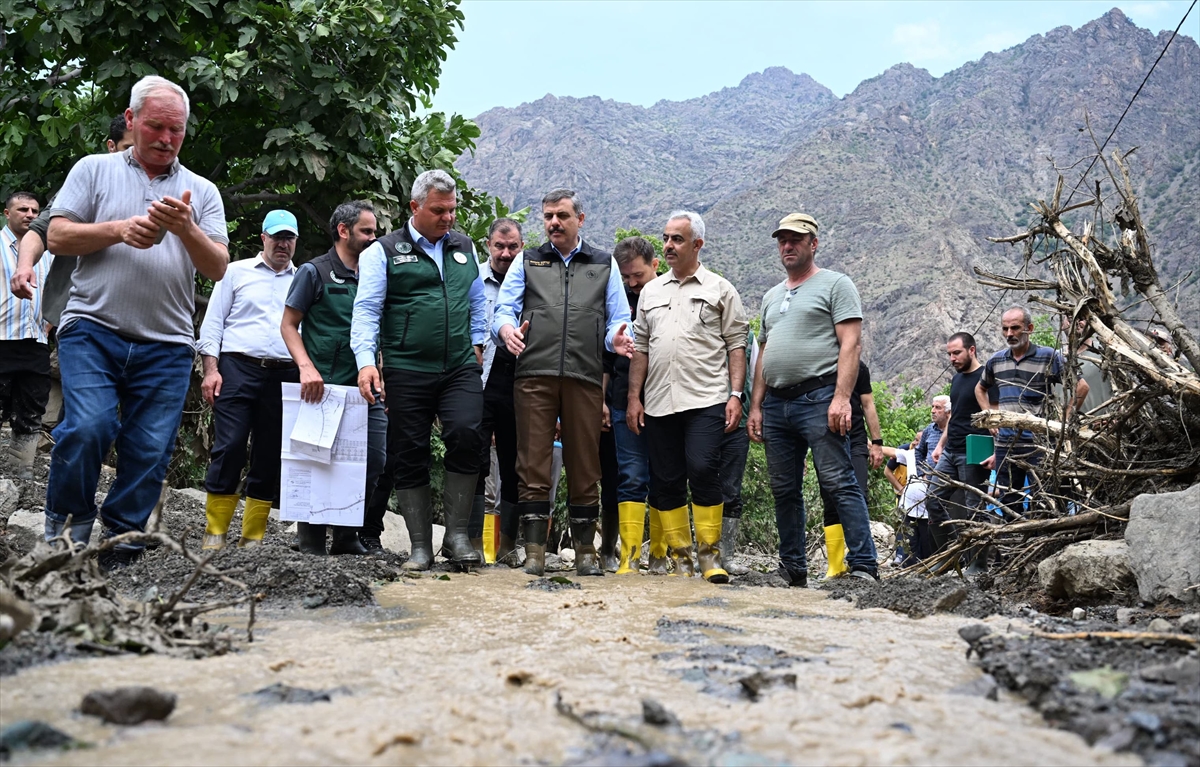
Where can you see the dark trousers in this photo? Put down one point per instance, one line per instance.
(541, 401)
(685, 450)
(1015, 464)
(860, 460)
(735, 447)
(249, 407)
(414, 399)
(24, 384)
(946, 502)
(499, 424)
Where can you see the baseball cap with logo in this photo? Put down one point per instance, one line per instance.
(801, 223)
(280, 221)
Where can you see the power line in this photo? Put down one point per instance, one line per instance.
(1163, 52)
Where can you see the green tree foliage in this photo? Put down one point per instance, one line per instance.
(1045, 333)
(298, 104)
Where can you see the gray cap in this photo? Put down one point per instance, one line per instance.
(801, 223)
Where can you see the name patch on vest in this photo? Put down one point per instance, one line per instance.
(539, 263)
(409, 258)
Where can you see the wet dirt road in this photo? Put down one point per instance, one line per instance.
(466, 671)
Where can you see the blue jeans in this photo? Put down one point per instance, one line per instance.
(115, 389)
(790, 428)
(1014, 477)
(633, 461)
(945, 502)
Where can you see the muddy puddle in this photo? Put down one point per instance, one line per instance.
(479, 669)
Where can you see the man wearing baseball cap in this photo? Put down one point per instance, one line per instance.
(810, 339)
(245, 361)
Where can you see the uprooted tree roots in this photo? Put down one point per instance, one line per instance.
(58, 587)
(1142, 439)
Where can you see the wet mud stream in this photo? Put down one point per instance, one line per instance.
(469, 671)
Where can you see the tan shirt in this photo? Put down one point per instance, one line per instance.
(688, 330)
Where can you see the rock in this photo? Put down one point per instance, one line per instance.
(128, 705)
(10, 496)
(1087, 569)
(395, 534)
(950, 600)
(1183, 671)
(1164, 544)
(1190, 623)
(27, 735)
(1078, 614)
(567, 556)
(982, 687)
(885, 541)
(283, 693)
(656, 714)
(192, 493)
(973, 632)
(1161, 626)
(1126, 616)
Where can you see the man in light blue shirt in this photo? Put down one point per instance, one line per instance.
(421, 305)
(561, 305)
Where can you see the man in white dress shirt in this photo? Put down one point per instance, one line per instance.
(245, 361)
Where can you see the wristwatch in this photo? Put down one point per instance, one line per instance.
(877, 442)
(737, 394)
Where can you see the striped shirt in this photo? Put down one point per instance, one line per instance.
(144, 295)
(1024, 384)
(20, 319)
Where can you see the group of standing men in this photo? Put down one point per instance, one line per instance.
(414, 320)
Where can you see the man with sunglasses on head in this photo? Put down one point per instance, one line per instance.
(245, 361)
(811, 337)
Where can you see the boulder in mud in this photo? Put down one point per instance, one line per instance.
(128, 705)
(32, 735)
(1087, 569)
(1164, 544)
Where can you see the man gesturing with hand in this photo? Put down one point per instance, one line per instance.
(143, 226)
(561, 305)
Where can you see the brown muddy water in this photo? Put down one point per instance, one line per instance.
(466, 671)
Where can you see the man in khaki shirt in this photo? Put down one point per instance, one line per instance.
(690, 352)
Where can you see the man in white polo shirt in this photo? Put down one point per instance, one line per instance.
(143, 226)
(245, 361)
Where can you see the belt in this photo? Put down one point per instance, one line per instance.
(262, 362)
(804, 387)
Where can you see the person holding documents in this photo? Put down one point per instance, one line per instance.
(421, 302)
(245, 361)
(322, 297)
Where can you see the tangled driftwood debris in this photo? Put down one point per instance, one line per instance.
(59, 587)
(1145, 437)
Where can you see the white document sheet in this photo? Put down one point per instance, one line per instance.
(317, 425)
(313, 489)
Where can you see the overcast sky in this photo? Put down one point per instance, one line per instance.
(513, 51)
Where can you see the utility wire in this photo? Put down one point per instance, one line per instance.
(1095, 159)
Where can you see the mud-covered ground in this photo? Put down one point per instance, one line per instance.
(495, 666)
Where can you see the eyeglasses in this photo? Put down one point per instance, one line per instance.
(787, 300)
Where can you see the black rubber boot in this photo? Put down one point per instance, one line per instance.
(345, 541)
(610, 528)
(311, 538)
(535, 517)
(583, 534)
(416, 506)
(510, 527)
(475, 524)
(457, 496)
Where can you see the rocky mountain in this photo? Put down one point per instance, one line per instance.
(908, 174)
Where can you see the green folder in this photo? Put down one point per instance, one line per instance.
(979, 447)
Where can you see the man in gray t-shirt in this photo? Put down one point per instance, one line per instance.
(143, 226)
(811, 335)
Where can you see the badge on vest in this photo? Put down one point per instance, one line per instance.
(410, 258)
(403, 247)
(333, 276)
(460, 258)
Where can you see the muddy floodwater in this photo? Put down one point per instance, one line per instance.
(467, 670)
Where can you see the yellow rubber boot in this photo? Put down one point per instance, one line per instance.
(708, 542)
(677, 529)
(254, 522)
(657, 562)
(835, 549)
(632, 522)
(218, 512)
(491, 537)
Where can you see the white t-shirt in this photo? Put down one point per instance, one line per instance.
(912, 501)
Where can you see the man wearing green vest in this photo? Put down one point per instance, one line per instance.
(322, 298)
(571, 305)
(421, 303)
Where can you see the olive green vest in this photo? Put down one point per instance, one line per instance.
(564, 306)
(326, 326)
(426, 324)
